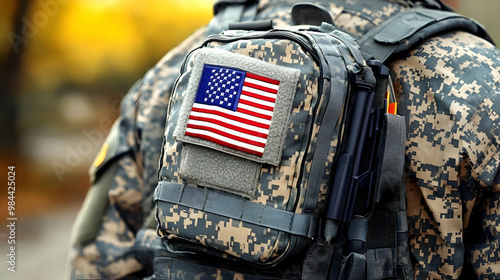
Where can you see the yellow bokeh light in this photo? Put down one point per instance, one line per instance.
(104, 37)
(82, 41)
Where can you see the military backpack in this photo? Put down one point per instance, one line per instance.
(284, 144)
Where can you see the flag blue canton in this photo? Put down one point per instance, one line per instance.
(220, 86)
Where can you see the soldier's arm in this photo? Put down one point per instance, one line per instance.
(483, 236)
(482, 199)
(451, 100)
(106, 243)
(106, 225)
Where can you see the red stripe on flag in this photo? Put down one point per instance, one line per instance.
(235, 147)
(258, 96)
(263, 88)
(228, 135)
(264, 79)
(256, 105)
(229, 126)
(248, 112)
(234, 118)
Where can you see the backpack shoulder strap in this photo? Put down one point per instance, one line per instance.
(403, 31)
(230, 11)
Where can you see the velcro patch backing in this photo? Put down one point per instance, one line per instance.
(237, 105)
(210, 168)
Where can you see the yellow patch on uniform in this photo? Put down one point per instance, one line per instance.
(102, 155)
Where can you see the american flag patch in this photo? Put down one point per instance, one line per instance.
(233, 108)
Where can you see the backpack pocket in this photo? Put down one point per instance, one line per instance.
(232, 119)
(240, 134)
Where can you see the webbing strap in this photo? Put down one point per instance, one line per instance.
(390, 177)
(167, 268)
(336, 89)
(232, 206)
(404, 30)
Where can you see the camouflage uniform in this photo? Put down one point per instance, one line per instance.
(448, 91)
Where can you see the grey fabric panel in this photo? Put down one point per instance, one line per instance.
(288, 78)
(231, 206)
(210, 168)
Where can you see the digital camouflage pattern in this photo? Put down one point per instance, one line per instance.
(449, 93)
(278, 185)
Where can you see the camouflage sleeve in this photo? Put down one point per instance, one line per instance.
(124, 177)
(449, 94)
(116, 189)
(482, 236)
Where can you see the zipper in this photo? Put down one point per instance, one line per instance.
(304, 41)
(273, 34)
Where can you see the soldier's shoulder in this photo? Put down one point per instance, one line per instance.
(463, 51)
(456, 75)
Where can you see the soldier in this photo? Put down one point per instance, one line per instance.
(447, 88)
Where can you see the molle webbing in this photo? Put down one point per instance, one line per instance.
(234, 207)
(334, 52)
(333, 109)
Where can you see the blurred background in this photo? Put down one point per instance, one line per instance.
(65, 65)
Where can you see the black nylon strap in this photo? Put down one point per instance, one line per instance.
(258, 25)
(221, 4)
(232, 206)
(404, 30)
(390, 177)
